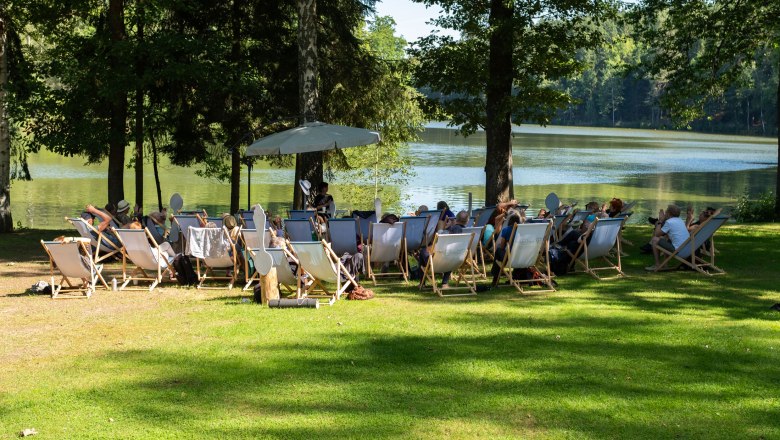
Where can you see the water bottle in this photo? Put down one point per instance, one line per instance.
(113, 284)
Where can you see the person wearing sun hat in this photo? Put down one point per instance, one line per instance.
(122, 208)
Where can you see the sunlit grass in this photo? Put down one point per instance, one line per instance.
(651, 356)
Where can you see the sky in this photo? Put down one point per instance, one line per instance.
(409, 17)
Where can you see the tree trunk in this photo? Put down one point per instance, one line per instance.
(118, 106)
(235, 178)
(6, 221)
(308, 166)
(139, 112)
(235, 154)
(156, 173)
(498, 127)
(777, 173)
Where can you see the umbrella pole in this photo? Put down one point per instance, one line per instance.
(248, 186)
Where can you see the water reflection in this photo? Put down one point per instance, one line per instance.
(582, 164)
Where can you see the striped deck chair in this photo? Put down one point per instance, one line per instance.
(214, 250)
(317, 259)
(299, 229)
(598, 242)
(386, 245)
(343, 235)
(476, 256)
(528, 247)
(449, 253)
(700, 239)
(100, 244)
(151, 263)
(66, 258)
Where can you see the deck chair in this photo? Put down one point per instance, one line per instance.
(414, 237)
(598, 242)
(363, 225)
(580, 215)
(181, 225)
(65, 257)
(386, 245)
(483, 215)
(299, 229)
(700, 238)
(476, 256)
(150, 262)
(214, 250)
(251, 240)
(433, 224)
(450, 253)
(245, 219)
(559, 222)
(151, 227)
(284, 272)
(318, 260)
(343, 235)
(218, 221)
(528, 247)
(301, 214)
(99, 244)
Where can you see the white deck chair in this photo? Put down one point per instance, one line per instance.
(213, 248)
(528, 247)
(66, 259)
(181, 227)
(363, 225)
(433, 224)
(251, 240)
(318, 260)
(386, 245)
(99, 244)
(598, 242)
(702, 237)
(343, 235)
(299, 229)
(476, 256)
(284, 272)
(449, 253)
(150, 261)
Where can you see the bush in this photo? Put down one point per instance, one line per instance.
(758, 210)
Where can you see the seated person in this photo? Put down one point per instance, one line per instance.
(670, 235)
(102, 227)
(322, 201)
(615, 208)
(501, 242)
(447, 214)
(455, 228)
(122, 209)
(422, 208)
(165, 247)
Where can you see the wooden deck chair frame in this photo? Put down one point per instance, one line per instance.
(583, 250)
(317, 289)
(208, 269)
(140, 273)
(364, 224)
(371, 251)
(458, 273)
(477, 255)
(204, 220)
(246, 219)
(704, 235)
(93, 271)
(100, 243)
(541, 263)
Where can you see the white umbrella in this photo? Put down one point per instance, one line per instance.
(312, 136)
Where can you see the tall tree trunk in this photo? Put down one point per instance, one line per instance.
(118, 105)
(777, 127)
(156, 173)
(235, 154)
(498, 127)
(139, 110)
(308, 166)
(6, 221)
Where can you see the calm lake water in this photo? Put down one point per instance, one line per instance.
(653, 168)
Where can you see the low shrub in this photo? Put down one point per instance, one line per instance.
(761, 209)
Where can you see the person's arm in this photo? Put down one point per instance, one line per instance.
(105, 218)
(658, 232)
(689, 217)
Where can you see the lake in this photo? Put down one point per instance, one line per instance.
(651, 167)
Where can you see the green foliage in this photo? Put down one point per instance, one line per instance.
(761, 209)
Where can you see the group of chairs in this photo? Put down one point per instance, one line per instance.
(311, 260)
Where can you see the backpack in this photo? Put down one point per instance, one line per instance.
(185, 274)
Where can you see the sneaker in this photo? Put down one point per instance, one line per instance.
(651, 268)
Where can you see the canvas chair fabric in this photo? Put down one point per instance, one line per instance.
(415, 231)
(476, 256)
(528, 247)
(449, 253)
(343, 235)
(364, 224)
(604, 234)
(433, 224)
(66, 258)
(246, 219)
(281, 262)
(182, 224)
(319, 261)
(213, 248)
(150, 261)
(484, 215)
(100, 244)
(699, 238)
(386, 245)
(299, 229)
(151, 227)
(301, 214)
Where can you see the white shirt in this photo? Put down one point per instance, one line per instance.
(675, 228)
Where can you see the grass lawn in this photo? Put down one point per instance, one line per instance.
(671, 355)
